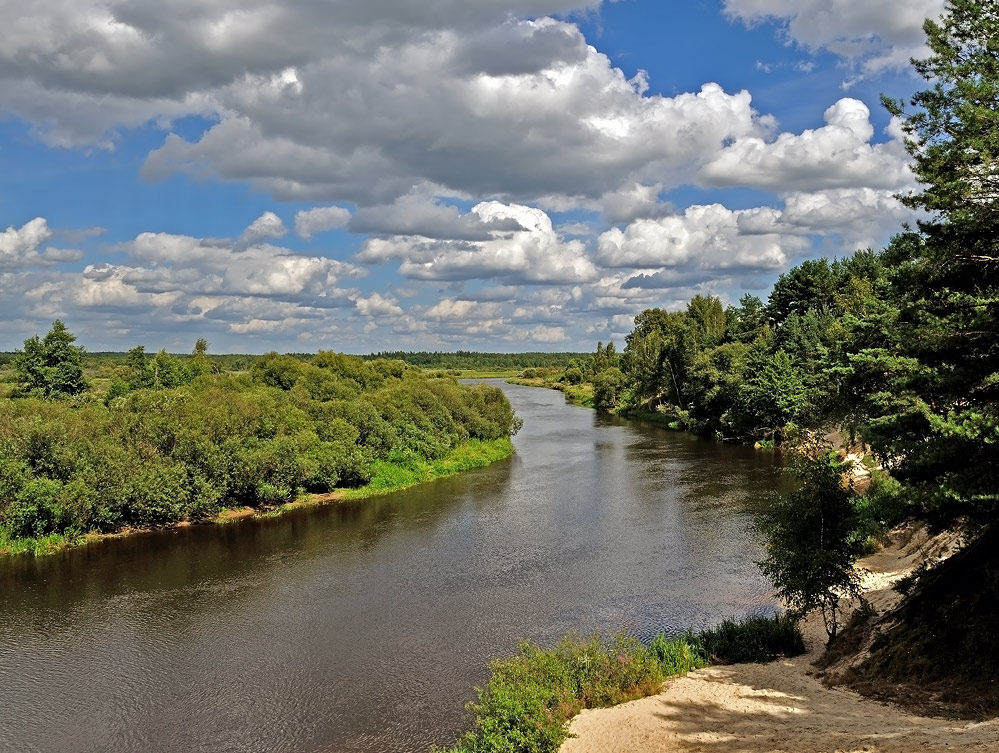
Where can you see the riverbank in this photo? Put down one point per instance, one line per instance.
(577, 394)
(783, 706)
(386, 477)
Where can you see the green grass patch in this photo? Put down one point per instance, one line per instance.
(50, 544)
(389, 476)
(530, 697)
(577, 394)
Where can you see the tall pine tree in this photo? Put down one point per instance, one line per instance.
(942, 439)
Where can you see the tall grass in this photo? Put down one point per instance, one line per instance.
(754, 639)
(530, 697)
(400, 473)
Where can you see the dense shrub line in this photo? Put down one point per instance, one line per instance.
(530, 697)
(167, 444)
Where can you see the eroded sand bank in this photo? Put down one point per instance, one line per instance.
(765, 708)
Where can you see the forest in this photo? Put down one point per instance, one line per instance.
(166, 439)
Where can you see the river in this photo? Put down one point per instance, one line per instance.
(363, 627)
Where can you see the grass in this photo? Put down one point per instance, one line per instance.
(50, 544)
(754, 639)
(530, 697)
(577, 394)
(392, 476)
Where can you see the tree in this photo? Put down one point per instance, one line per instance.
(139, 373)
(656, 355)
(745, 322)
(707, 320)
(201, 364)
(811, 541)
(52, 366)
(941, 435)
(772, 394)
(811, 286)
(607, 387)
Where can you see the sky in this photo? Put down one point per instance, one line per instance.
(374, 175)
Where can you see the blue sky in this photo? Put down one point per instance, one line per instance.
(502, 175)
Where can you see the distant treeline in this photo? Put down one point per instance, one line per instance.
(465, 360)
(471, 360)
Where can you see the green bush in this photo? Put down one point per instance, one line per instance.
(754, 639)
(35, 511)
(158, 494)
(151, 454)
(530, 697)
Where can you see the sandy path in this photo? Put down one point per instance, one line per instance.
(766, 708)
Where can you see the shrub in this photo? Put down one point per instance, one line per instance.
(811, 541)
(754, 639)
(35, 510)
(679, 655)
(531, 696)
(157, 494)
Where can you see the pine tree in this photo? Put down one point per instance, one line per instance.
(942, 440)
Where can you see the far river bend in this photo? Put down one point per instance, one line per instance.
(363, 627)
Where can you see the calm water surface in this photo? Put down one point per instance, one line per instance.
(364, 627)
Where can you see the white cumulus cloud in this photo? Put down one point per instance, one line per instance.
(535, 253)
(267, 225)
(308, 222)
(872, 36)
(837, 155)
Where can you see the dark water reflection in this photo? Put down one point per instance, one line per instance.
(363, 627)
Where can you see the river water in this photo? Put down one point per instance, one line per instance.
(365, 626)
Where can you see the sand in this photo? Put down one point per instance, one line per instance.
(765, 708)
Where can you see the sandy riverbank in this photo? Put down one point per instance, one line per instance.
(766, 708)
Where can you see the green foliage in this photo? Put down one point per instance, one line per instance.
(773, 394)
(656, 355)
(811, 286)
(745, 323)
(151, 454)
(35, 510)
(812, 542)
(52, 366)
(530, 697)
(603, 359)
(754, 639)
(678, 656)
(940, 432)
(706, 319)
(607, 387)
(882, 507)
(474, 361)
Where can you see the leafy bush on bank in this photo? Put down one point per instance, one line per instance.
(154, 455)
(530, 697)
